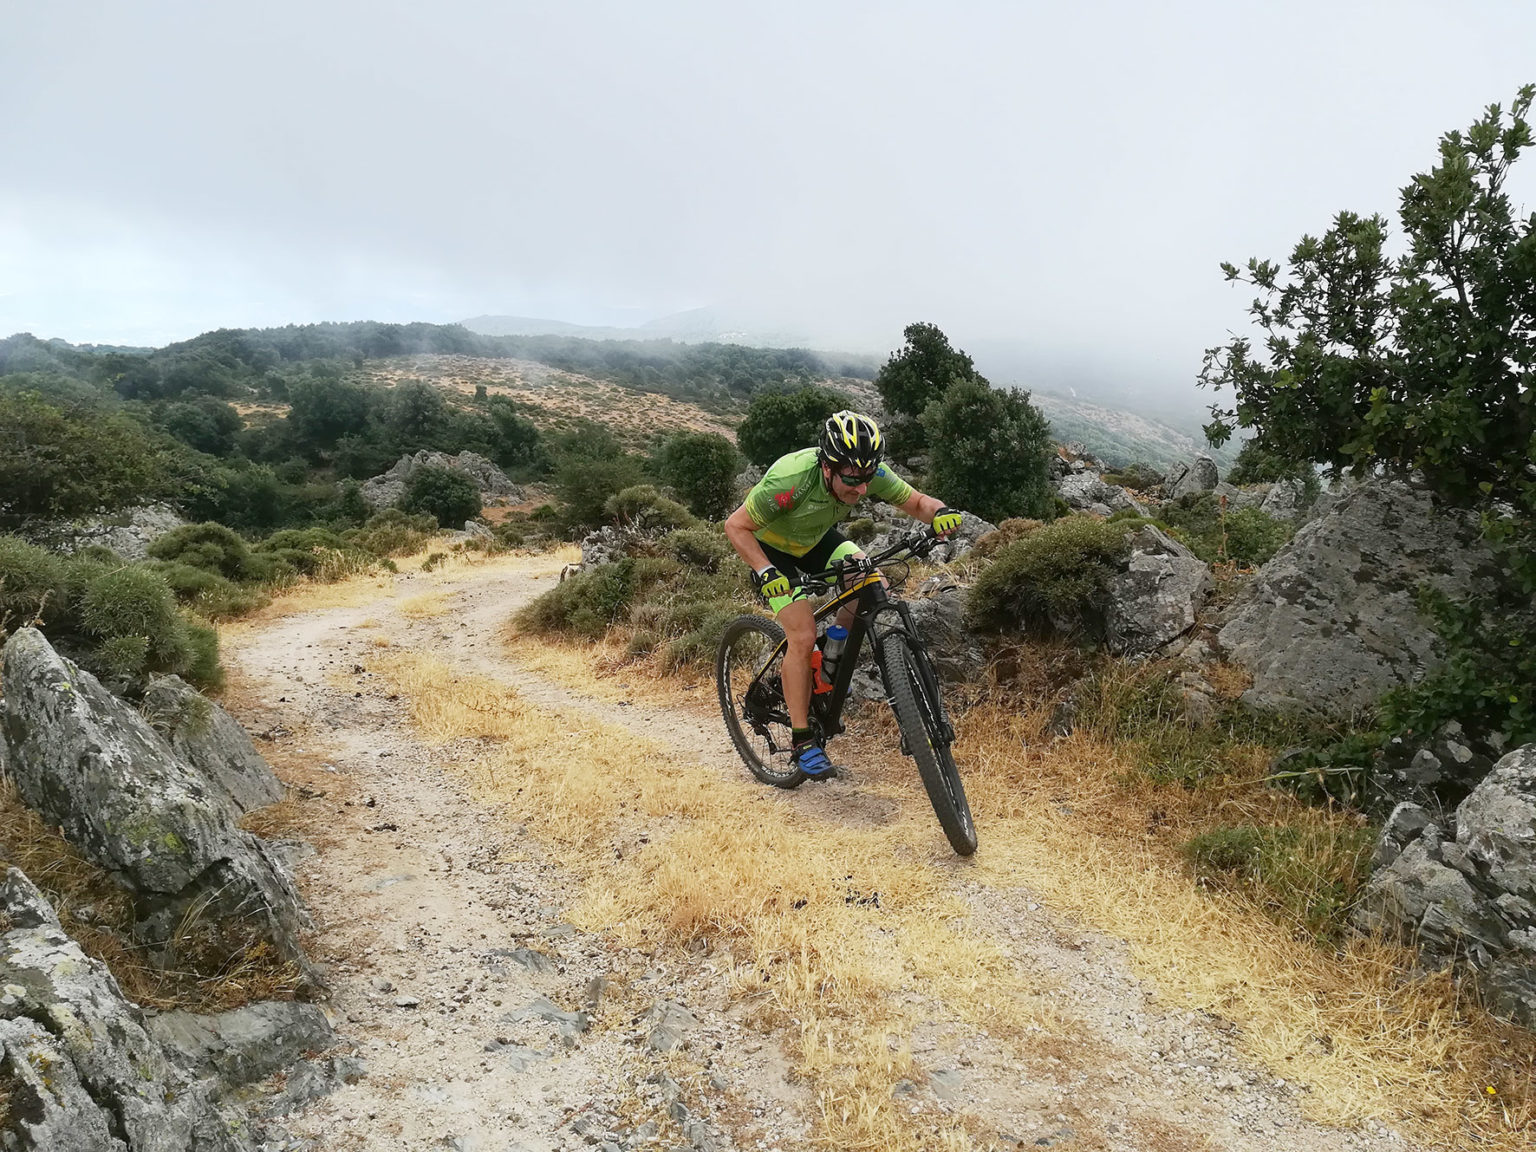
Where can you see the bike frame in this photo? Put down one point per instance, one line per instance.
(873, 603)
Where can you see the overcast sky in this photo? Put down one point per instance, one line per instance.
(1064, 176)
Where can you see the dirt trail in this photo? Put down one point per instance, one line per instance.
(490, 1023)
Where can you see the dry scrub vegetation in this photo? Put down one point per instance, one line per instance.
(823, 928)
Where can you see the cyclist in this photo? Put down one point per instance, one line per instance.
(787, 526)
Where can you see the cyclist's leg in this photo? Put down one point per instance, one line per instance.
(799, 623)
(846, 550)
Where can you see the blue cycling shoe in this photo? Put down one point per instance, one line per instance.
(812, 760)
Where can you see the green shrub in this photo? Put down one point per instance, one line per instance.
(131, 614)
(318, 553)
(643, 506)
(1304, 874)
(700, 642)
(701, 547)
(446, 494)
(586, 482)
(1254, 536)
(209, 546)
(32, 582)
(1056, 580)
(1139, 477)
(701, 467)
(584, 605)
(1245, 536)
(393, 533)
(209, 593)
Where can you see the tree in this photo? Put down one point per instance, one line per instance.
(517, 443)
(1419, 362)
(990, 452)
(447, 494)
(205, 423)
(65, 463)
(922, 371)
(323, 410)
(701, 467)
(781, 422)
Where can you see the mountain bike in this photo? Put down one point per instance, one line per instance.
(748, 671)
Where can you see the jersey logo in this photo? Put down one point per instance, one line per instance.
(784, 499)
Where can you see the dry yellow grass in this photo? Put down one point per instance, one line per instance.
(424, 606)
(825, 930)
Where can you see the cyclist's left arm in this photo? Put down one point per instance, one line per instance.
(921, 506)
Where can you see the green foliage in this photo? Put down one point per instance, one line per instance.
(62, 464)
(643, 507)
(701, 547)
(445, 494)
(1488, 682)
(392, 532)
(860, 531)
(778, 423)
(923, 371)
(517, 444)
(131, 614)
(1420, 362)
(585, 604)
(209, 546)
(1055, 580)
(1246, 536)
(32, 582)
(209, 594)
(591, 466)
(701, 467)
(1136, 476)
(989, 452)
(1305, 874)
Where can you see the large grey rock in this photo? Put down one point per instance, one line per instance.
(1086, 492)
(1470, 901)
(384, 491)
(1286, 500)
(1330, 623)
(244, 1045)
(1200, 476)
(1155, 599)
(604, 546)
(129, 533)
(92, 766)
(956, 651)
(209, 739)
(101, 1076)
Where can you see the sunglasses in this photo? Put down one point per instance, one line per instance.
(856, 479)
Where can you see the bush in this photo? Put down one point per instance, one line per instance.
(1246, 536)
(315, 552)
(393, 533)
(781, 422)
(989, 452)
(702, 548)
(586, 484)
(643, 507)
(443, 493)
(701, 467)
(209, 593)
(209, 546)
(131, 614)
(584, 605)
(1055, 580)
(32, 582)
(1137, 476)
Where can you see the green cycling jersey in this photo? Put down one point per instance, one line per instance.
(793, 508)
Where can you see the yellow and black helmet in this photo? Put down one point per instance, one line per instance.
(852, 441)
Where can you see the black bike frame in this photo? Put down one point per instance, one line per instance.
(869, 592)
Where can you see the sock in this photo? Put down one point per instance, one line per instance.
(799, 736)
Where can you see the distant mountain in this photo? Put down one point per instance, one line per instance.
(1119, 437)
(695, 326)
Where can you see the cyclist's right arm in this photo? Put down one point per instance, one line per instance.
(741, 530)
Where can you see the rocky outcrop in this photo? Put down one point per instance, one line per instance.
(1286, 500)
(1087, 492)
(604, 546)
(209, 739)
(1189, 479)
(956, 651)
(1155, 598)
(494, 487)
(92, 766)
(1330, 623)
(240, 1047)
(84, 1074)
(1466, 896)
(129, 533)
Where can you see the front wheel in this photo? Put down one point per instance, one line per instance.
(920, 715)
(748, 670)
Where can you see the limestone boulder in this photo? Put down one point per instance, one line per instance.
(244, 1045)
(89, 764)
(129, 532)
(1468, 899)
(385, 491)
(1154, 600)
(1201, 475)
(85, 1074)
(212, 741)
(1331, 622)
(956, 651)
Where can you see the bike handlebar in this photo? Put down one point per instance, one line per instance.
(917, 544)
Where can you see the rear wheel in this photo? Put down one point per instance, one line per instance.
(752, 699)
(914, 693)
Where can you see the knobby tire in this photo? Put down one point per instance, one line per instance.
(743, 648)
(919, 714)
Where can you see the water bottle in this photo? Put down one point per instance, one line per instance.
(831, 649)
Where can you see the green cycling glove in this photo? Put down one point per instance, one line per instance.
(946, 520)
(771, 583)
